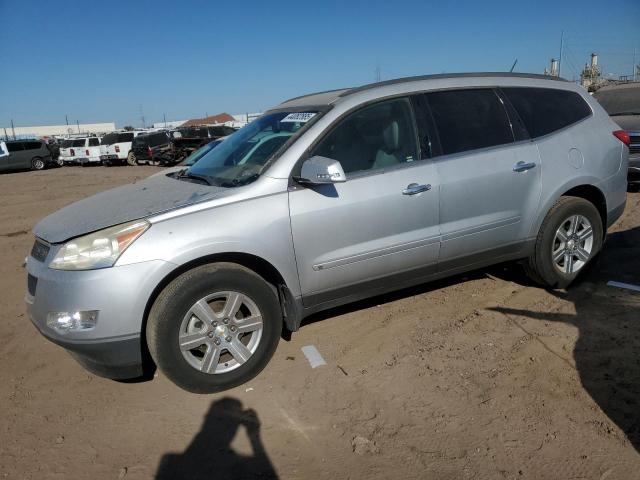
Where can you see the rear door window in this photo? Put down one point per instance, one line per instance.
(545, 110)
(469, 119)
(15, 146)
(32, 145)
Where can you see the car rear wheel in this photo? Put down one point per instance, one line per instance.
(131, 159)
(570, 237)
(37, 163)
(214, 327)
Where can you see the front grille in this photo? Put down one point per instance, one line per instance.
(40, 250)
(32, 283)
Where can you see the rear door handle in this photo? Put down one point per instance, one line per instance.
(414, 188)
(523, 166)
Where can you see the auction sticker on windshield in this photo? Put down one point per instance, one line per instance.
(301, 117)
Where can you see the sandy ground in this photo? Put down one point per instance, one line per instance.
(478, 376)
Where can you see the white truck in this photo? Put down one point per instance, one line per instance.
(116, 148)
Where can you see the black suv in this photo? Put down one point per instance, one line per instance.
(170, 147)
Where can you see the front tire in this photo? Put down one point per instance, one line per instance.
(570, 237)
(131, 159)
(214, 327)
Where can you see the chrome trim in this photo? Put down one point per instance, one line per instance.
(414, 188)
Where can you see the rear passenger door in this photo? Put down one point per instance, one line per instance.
(489, 175)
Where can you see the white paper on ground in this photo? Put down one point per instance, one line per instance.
(313, 355)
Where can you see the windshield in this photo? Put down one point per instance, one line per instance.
(109, 139)
(198, 154)
(242, 156)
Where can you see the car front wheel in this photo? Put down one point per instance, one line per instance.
(214, 327)
(570, 237)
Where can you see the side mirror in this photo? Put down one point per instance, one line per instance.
(319, 170)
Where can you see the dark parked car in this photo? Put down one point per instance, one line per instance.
(622, 103)
(33, 154)
(171, 147)
(187, 140)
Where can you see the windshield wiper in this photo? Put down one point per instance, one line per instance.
(238, 182)
(194, 176)
(620, 114)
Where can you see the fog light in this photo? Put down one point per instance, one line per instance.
(65, 322)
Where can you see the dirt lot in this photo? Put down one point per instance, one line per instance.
(478, 376)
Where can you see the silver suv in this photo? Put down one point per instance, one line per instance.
(326, 199)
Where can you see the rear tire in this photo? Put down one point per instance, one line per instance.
(570, 237)
(131, 159)
(37, 163)
(193, 305)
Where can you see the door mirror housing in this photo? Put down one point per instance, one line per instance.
(319, 170)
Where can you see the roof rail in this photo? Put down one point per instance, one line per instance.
(449, 75)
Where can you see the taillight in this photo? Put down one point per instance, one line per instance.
(117, 149)
(73, 152)
(86, 152)
(150, 152)
(622, 136)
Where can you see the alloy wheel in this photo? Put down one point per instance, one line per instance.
(572, 244)
(220, 332)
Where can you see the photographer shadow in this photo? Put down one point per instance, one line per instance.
(607, 352)
(210, 456)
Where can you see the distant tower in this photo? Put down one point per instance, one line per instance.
(553, 69)
(591, 75)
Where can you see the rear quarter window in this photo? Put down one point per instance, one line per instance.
(546, 110)
(125, 137)
(78, 143)
(15, 146)
(94, 142)
(32, 145)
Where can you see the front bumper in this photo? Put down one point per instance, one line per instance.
(120, 294)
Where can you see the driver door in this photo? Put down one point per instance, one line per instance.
(377, 230)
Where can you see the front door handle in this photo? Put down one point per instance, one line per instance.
(414, 188)
(523, 166)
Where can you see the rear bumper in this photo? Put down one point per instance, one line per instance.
(634, 169)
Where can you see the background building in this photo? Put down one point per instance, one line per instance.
(9, 132)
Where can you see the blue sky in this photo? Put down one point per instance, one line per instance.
(103, 61)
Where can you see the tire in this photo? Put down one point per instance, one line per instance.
(37, 163)
(173, 316)
(572, 255)
(131, 159)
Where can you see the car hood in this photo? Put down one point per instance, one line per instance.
(123, 204)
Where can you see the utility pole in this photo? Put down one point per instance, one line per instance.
(13, 130)
(164, 117)
(561, 48)
(514, 65)
(6, 137)
(377, 71)
(66, 119)
(635, 69)
(142, 117)
(78, 124)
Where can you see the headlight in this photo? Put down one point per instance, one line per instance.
(99, 249)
